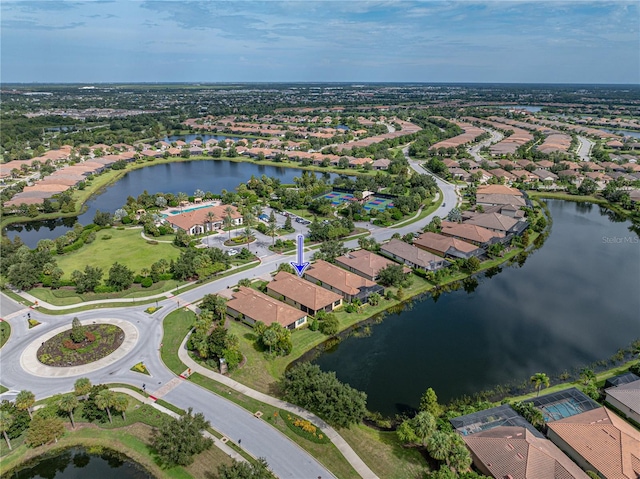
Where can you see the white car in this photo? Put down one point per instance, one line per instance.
(232, 252)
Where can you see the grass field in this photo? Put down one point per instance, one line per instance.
(176, 326)
(5, 332)
(125, 246)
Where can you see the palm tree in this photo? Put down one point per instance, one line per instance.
(104, 400)
(539, 380)
(24, 401)
(6, 421)
(82, 386)
(120, 404)
(228, 220)
(210, 217)
(68, 403)
(459, 458)
(424, 424)
(181, 198)
(247, 233)
(439, 445)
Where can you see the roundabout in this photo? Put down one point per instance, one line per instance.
(30, 363)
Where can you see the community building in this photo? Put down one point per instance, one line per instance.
(204, 219)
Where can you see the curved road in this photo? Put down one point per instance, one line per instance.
(286, 458)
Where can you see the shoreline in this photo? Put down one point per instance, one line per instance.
(112, 176)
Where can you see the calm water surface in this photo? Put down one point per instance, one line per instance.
(214, 176)
(76, 463)
(573, 302)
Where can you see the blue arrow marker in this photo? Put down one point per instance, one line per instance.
(300, 265)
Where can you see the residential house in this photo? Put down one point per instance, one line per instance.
(626, 399)
(381, 164)
(349, 285)
(517, 453)
(470, 233)
(365, 263)
(446, 246)
(499, 223)
(413, 256)
(252, 306)
(493, 199)
(304, 295)
(598, 440)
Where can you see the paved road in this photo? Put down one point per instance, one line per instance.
(496, 136)
(584, 149)
(258, 438)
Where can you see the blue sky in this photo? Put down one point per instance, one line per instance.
(346, 40)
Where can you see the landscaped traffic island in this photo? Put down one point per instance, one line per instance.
(82, 344)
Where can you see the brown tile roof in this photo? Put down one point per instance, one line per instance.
(441, 244)
(494, 221)
(199, 216)
(410, 253)
(603, 439)
(499, 190)
(366, 262)
(469, 232)
(500, 199)
(303, 292)
(260, 307)
(338, 278)
(514, 452)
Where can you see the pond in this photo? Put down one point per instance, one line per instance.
(193, 136)
(207, 175)
(531, 108)
(634, 134)
(77, 462)
(573, 302)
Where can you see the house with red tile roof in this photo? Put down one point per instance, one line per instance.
(599, 440)
(413, 256)
(203, 220)
(252, 306)
(304, 295)
(471, 233)
(349, 285)
(446, 246)
(365, 263)
(515, 452)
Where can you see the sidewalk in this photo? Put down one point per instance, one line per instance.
(344, 448)
(145, 400)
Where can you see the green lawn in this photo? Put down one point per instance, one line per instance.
(5, 332)
(125, 246)
(328, 454)
(176, 326)
(384, 454)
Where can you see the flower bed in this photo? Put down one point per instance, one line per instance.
(303, 428)
(141, 368)
(61, 351)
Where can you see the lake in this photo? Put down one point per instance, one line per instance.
(573, 302)
(207, 175)
(531, 108)
(76, 462)
(634, 134)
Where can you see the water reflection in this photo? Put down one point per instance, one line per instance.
(570, 303)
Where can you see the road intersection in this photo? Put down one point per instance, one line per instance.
(19, 369)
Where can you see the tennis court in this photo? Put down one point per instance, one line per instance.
(378, 204)
(338, 198)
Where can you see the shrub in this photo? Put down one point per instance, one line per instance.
(138, 278)
(146, 282)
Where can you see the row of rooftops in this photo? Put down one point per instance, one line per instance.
(581, 432)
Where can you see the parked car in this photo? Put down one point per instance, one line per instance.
(232, 252)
